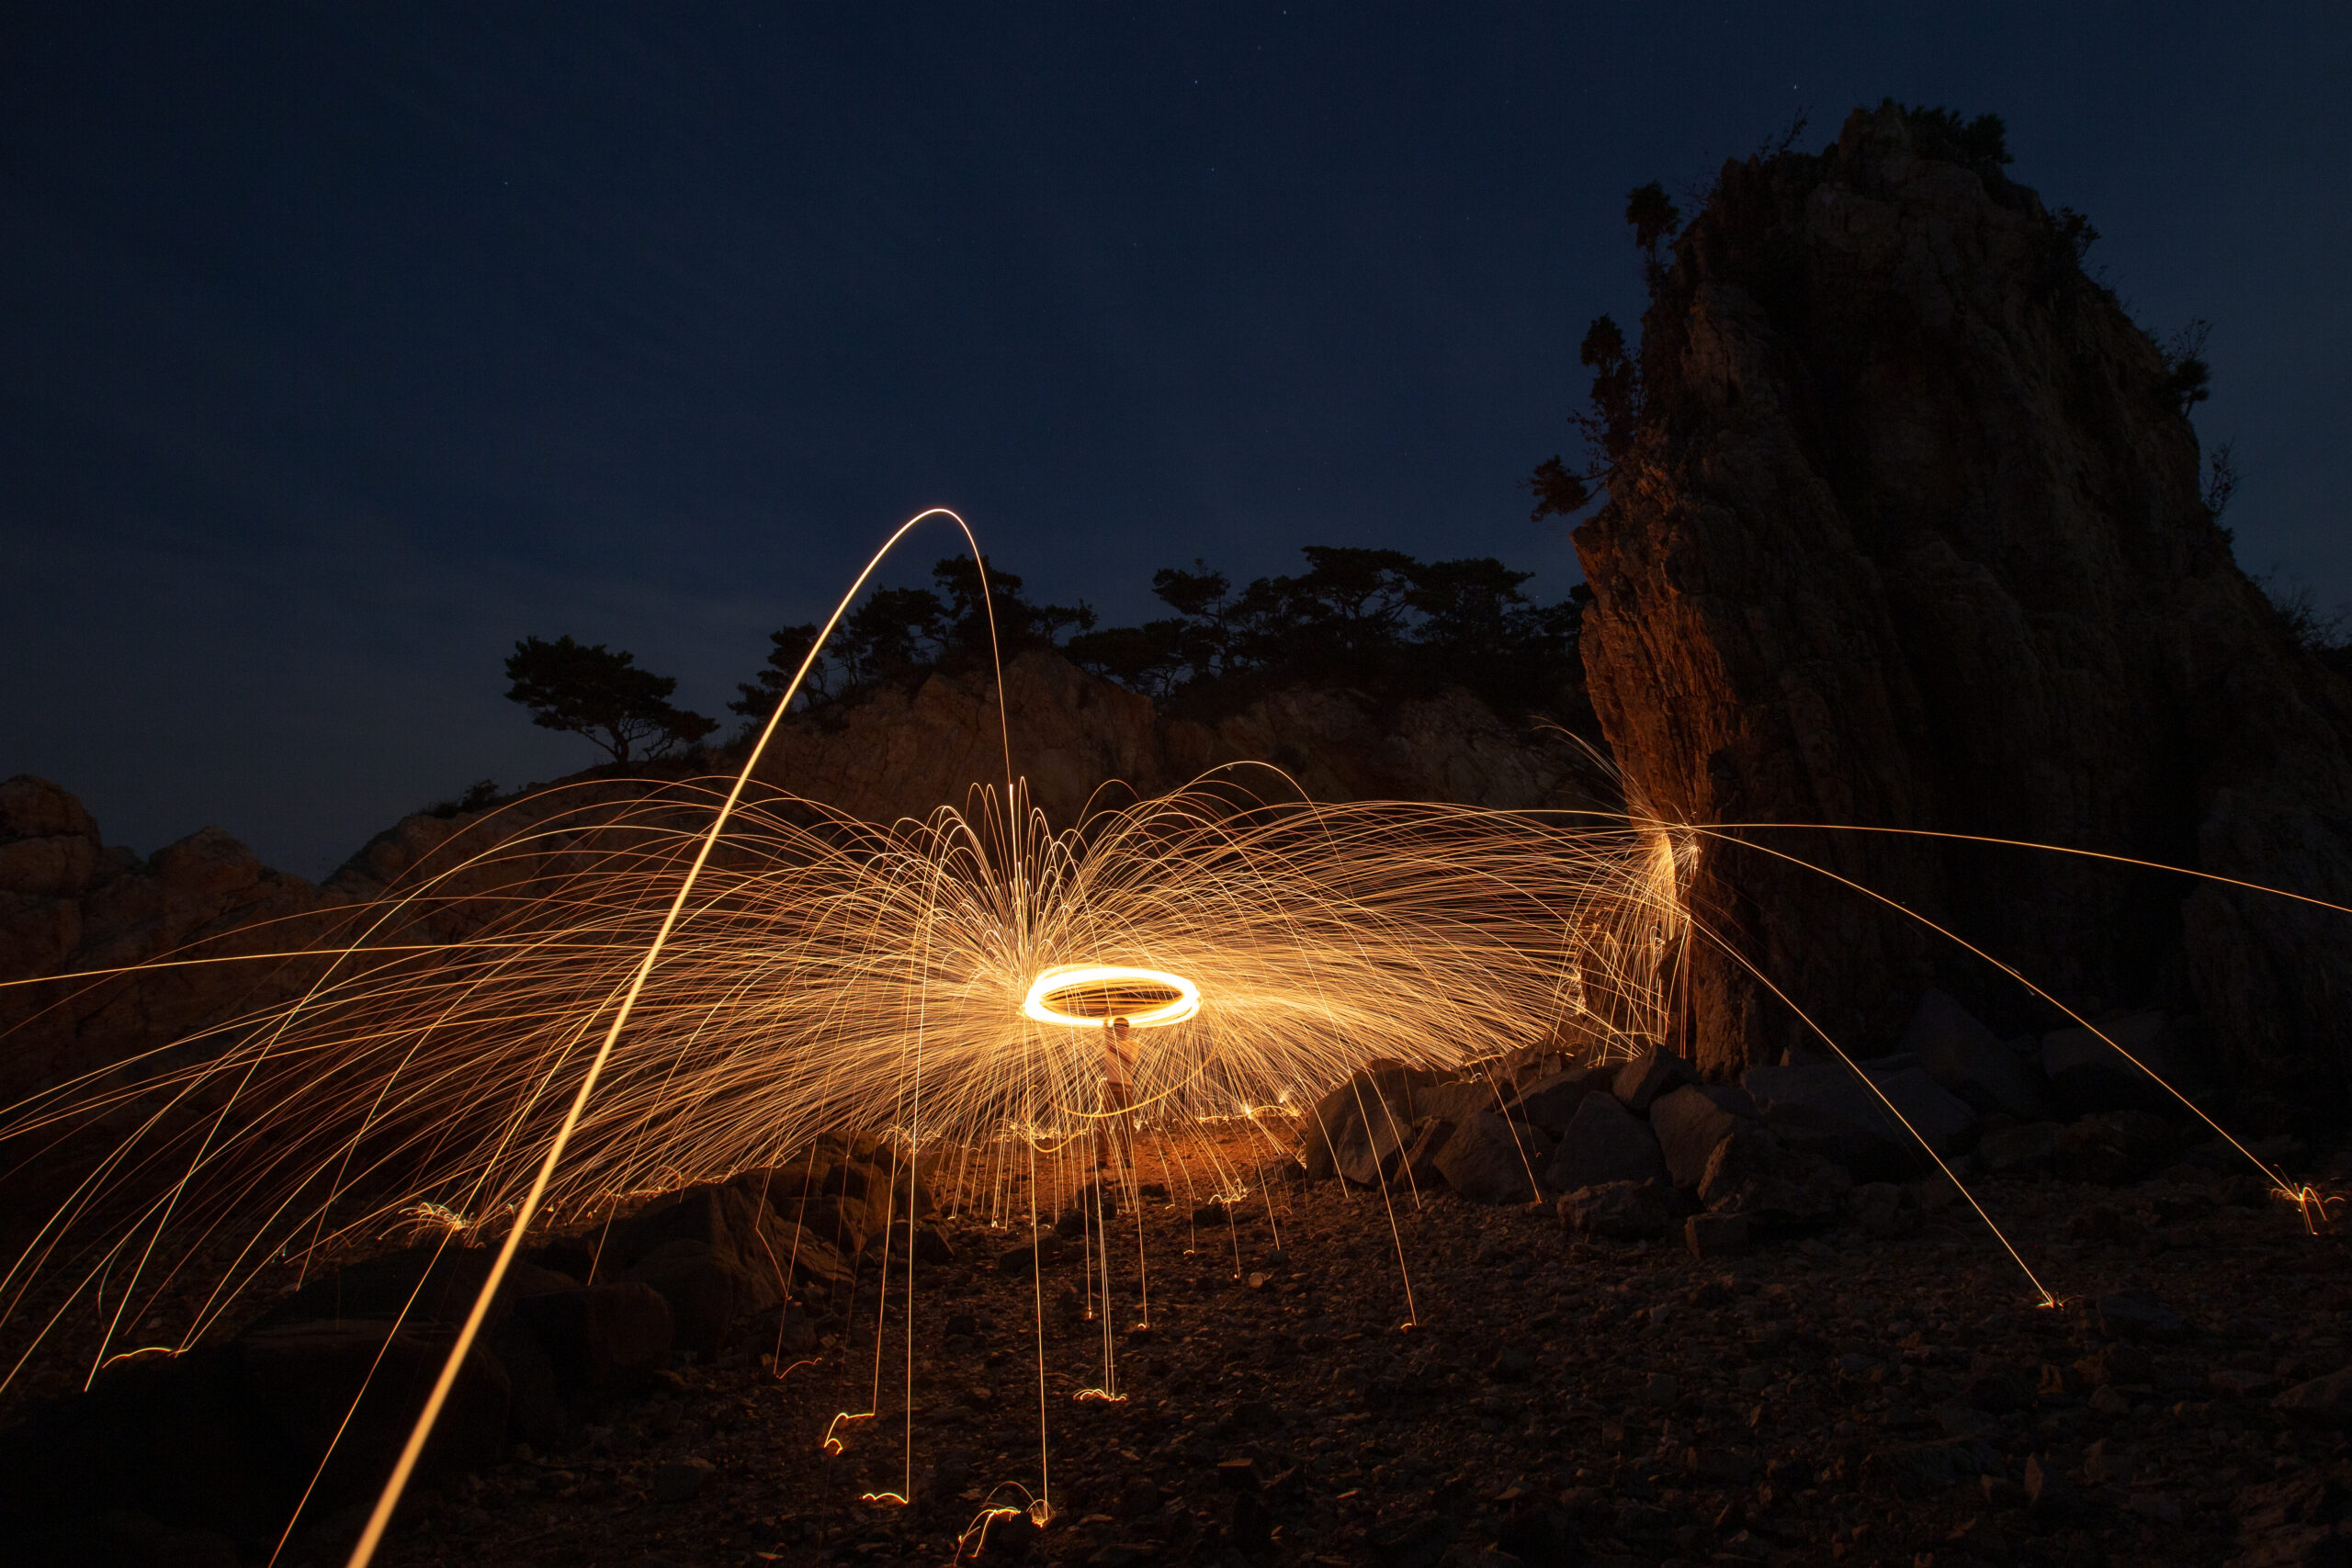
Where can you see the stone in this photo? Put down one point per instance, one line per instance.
(1827, 1109)
(2047, 1492)
(1690, 1122)
(306, 1377)
(1778, 1189)
(1511, 1365)
(1649, 1075)
(715, 1254)
(1325, 1126)
(49, 844)
(601, 1339)
(1885, 1210)
(1420, 1159)
(1971, 1061)
(1710, 1236)
(1369, 1148)
(2323, 1399)
(1359, 1128)
(1046, 1251)
(2130, 1316)
(2089, 1071)
(1918, 1472)
(1621, 1211)
(1604, 1143)
(1490, 1160)
(2233, 1383)
(2114, 1146)
(2015, 1150)
(1995, 1389)
(681, 1480)
(1551, 1101)
(1457, 1103)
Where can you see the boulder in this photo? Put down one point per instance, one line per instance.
(2115, 1145)
(1324, 1124)
(843, 1224)
(716, 1255)
(1776, 1188)
(1420, 1160)
(2090, 1073)
(1603, 1143)
(1691, 1121)
(930, 1243)
(1043, 1251)
(1491, 1160)
(307, 1377)
(1460, 1101)
(1366, 1153)
(176, 1438)
(1551, 1101)
(1649, 1075)
(1621, 1211)
(424, 1284)
(601, 1339)
(1971, 1061)
(1827, 1109)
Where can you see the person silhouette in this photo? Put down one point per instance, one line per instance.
(1118, 1093)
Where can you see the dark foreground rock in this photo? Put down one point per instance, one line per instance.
(1844, 1394)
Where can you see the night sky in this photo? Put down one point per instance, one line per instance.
(341, 345)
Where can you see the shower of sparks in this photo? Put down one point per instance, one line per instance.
(828, 975)
(616, 1002)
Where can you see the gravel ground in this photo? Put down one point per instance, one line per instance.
(1840, 1398)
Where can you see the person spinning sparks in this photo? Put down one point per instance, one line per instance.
(1118, 1093)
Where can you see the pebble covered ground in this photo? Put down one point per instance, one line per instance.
(1841, 1398)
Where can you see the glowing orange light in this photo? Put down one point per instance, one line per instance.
(832, 1445)
(1085, 996)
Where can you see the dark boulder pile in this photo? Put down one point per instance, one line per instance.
(1638, 1148)
(204, 1457)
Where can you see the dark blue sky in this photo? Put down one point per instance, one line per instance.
(341, 345)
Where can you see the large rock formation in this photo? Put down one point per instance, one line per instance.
(1910, 534)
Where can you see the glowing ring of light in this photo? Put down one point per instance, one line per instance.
(1147, 998)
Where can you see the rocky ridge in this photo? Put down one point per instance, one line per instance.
(71, 905)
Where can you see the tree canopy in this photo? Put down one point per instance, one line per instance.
(1372, 620)
(1375, 620)
(898, 632)
(592, 691)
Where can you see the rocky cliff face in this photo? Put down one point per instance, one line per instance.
(1910, 536)
(903, 753)
(70, 907)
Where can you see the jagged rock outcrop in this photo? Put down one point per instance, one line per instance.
(904, 753)
(1910, 534)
